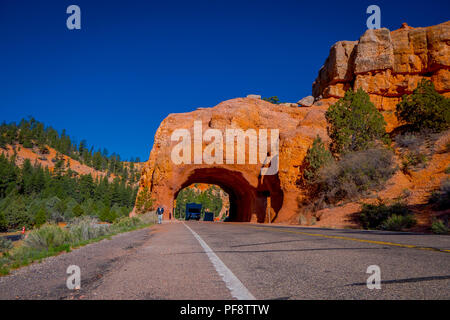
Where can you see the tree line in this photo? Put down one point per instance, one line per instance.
(31, 195)
(31, 133)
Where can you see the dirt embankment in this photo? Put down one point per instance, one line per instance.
(413, 187)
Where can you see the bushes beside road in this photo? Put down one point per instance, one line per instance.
(50, 239)
(361, 157)
(394, 217)
(356, 162)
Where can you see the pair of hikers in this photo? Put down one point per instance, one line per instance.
(160, 212)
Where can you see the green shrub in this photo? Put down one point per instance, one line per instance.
(78, 211)
(5, 245)
(398, 222)
(441, 198)
(439, 227)
(425, 108)
(413, 159)
(24, 255)
(316, 157)
(373, 216)
(408, 140)
(28, 143)
(3, 142)
(55, 207)
(69, 205)
(126, 223)
(86, 228)
(17, 214)
(447, 170)
(355, 174)
(107, 215)
(144, 201)
(354, 123)
(148, 218)
(273, 100)
(3, 222)
(40, 218)
(51, 239)
(46, 237)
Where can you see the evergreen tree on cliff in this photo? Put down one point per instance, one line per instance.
(354, 123)
(425, 108)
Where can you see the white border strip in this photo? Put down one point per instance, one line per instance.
(238, 290)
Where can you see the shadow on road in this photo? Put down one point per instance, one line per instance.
(406, 280)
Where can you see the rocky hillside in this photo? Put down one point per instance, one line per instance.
(43, 145)
(387, 65)
(48, 159)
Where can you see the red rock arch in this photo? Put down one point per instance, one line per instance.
(249, 191)
(247, 202)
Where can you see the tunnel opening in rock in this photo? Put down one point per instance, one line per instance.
(247, 203)
(211, 196)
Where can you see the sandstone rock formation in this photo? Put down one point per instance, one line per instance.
(289, 104)
(247, 189)
(387, 65)
(306, 101)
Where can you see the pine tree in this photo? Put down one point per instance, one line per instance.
(354, 123)
(27, 177)
(17, 215)
(87, 187)
(41, 217)
(3, 142)
(8, 175)
(3, 222)
(59, 169)
(316, 157)
(104, 214)
(425, 108)
(78, 211)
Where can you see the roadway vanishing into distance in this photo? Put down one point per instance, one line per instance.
(213, 260)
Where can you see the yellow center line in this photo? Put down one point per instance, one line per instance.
(401, 245)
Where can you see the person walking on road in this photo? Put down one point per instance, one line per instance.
(160, 212)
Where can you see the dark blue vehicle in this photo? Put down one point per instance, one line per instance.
(208, 216)
(193, 211)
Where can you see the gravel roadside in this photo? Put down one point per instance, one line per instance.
(47, 280)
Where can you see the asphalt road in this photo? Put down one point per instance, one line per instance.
(210, 260)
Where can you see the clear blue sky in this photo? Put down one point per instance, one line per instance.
(135, 61)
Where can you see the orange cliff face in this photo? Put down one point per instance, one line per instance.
(387, 65)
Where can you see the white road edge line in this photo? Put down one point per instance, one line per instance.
(237, 289)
